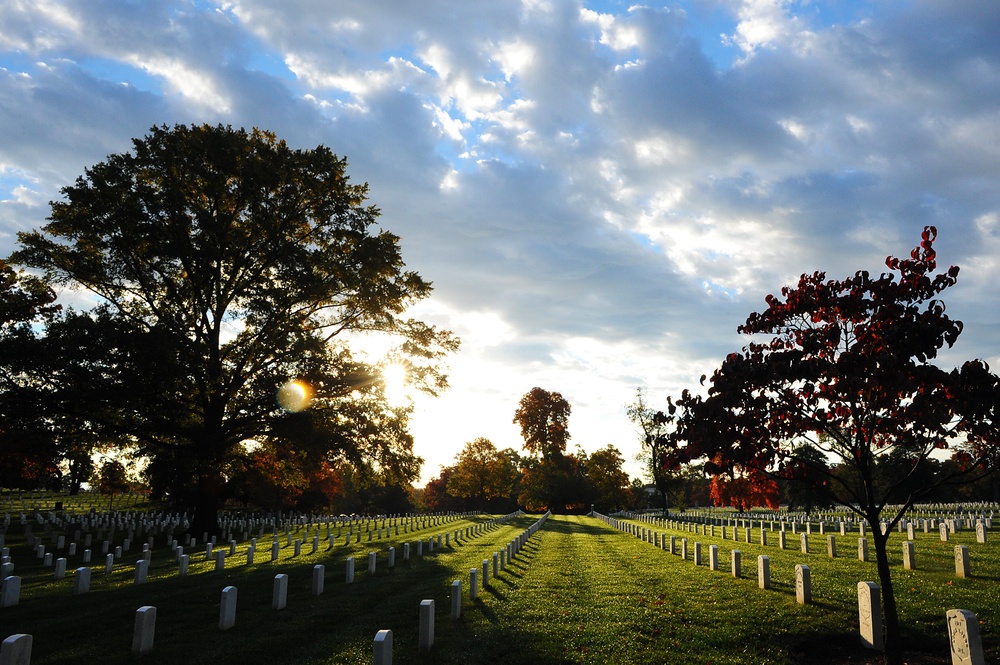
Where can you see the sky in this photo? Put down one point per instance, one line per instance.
(600, 192)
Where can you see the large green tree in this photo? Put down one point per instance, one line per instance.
(226, 264)
(609, 485)
(29, 456)
(482, 474)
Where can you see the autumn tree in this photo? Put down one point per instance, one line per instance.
(225, 265)
(436, 497)
(544, 420)
(482, 474)
(846, 366)
(549, 478)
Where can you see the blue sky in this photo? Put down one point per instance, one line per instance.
(600, 192)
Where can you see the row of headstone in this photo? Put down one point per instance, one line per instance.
(382, 644)
(803, 581)
(81, 581)
(963, 626)
(908, 547)
(127, 526)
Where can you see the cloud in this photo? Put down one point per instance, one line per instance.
(600, 194)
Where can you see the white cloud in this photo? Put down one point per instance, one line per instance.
(598, 197)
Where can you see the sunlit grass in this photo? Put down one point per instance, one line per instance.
(580, 592)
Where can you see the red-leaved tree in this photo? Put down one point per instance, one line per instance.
(846, 366)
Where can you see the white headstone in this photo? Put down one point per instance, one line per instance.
(279, 594)
(963, 634)
(227, 608)
(870, 615)
(735, 559)
(81, 581)
(145, 629)
(426, 625)
(16, 650)
(350, 570)
(763, 572)
(10, 591)
(456, 600)
(803, 584)
(909, 560)
(141, 571)
(962, 568)
(382, 648)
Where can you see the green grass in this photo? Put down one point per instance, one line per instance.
(579, 592)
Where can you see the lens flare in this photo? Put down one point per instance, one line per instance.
(294, 396)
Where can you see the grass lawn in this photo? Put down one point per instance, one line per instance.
(580, 591)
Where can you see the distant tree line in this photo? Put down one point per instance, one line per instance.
(546, 477)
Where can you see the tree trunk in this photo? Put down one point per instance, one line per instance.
(893, 640)
(206, 509)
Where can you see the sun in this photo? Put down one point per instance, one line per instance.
(394, 379)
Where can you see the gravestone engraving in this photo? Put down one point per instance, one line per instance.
(870, 615)
(963, 634)
(962, 561)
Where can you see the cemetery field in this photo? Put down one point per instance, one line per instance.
(579, 591)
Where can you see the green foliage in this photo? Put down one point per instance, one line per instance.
(226, 264)
(482, 474)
